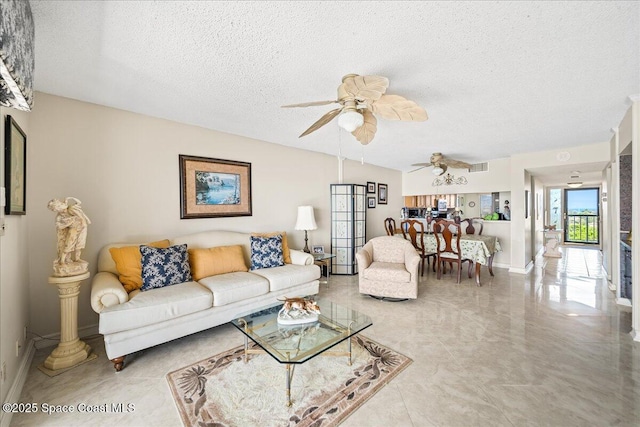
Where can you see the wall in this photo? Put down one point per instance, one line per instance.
(124, 168)
(626, 188)
(14, 288)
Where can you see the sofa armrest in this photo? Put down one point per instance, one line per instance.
(300, 257)
(364, 259)
(106, 290)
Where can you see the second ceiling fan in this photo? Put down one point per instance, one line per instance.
(440, 164)
(360, 97)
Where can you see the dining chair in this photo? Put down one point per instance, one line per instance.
(413, 231)
(448, 235)
(471, 226)
(390, 226)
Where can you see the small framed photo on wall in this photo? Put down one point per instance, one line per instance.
(382, 194)
(371, 187)
(371, 202)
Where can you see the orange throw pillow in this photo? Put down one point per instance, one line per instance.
(216, 260)
(128, 261)
(285, 246)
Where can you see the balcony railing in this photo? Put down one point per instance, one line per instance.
(582, 229)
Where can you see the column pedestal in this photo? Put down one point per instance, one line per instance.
(71, 350)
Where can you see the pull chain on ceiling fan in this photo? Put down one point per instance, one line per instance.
(360, 97)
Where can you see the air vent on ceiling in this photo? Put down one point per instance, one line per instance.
(479, 167)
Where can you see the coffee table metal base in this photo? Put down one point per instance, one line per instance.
(290, 367)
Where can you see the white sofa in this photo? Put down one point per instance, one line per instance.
(135, 321)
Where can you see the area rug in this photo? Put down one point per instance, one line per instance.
(224, 391)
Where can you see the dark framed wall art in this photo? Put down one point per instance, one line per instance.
(382, 194)
(371, 202)
(212, 188)
(371, 187)
(15, 163)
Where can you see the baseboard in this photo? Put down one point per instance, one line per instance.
(498, 265)
(18, 383)
(525, 270)
(53, 339)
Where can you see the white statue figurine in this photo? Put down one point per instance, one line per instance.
(71, 227)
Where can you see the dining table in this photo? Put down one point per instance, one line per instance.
(478, 248)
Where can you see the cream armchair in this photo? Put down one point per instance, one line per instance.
(388, 268)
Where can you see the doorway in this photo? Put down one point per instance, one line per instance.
(582, 215)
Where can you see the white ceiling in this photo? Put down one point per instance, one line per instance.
(496, 78)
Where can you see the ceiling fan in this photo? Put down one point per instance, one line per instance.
(360, 97)
(441, 163)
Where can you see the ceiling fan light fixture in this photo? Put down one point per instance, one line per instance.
(350, 120)
(574, 184)
(437, 171)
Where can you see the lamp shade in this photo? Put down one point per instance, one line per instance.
(574, 184)
(306, 220)
(437, 171)
(350, 120)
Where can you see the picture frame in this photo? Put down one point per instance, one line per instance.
(317, 249)
(371, 187)
(382, 194)
(371, 202)
(15, 168)
(211, 188)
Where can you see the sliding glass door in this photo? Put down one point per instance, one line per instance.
(582, 215)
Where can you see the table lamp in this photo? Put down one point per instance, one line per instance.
(306, 221)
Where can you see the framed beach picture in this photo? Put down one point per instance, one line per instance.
(382, 194)
(212, 188)
(15, 164)
(371, 187)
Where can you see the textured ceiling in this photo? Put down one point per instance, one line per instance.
(496, 78)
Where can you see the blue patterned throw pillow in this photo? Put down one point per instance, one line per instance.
(266, 252)
(164, 267)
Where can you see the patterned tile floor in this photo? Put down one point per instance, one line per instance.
(547, 349)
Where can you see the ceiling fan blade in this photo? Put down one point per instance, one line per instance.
(369, 88)
(310, 104)
(367, 131)
(415, 170)
(424, 165)
(321, 121)
(396, 107)
(457, 164)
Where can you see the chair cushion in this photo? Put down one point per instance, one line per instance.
(387, 271)
(231, 287)
(289, 275)
(266, 252)
(389, 249)
(155, 306)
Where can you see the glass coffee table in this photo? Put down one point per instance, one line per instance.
(292, 345)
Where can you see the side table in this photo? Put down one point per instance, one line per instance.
(324, 260)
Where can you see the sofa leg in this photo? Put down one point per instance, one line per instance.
(118, 363)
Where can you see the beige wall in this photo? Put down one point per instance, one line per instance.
(14, 283)
(124, 168)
